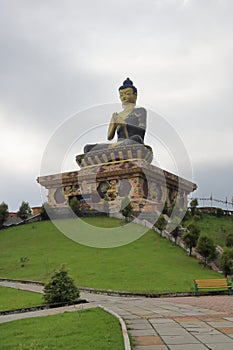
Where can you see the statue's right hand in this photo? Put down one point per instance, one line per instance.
(117, 119)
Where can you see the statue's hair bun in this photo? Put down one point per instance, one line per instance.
(128, 84)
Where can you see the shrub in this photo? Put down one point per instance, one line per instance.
(60, 288)
(24, 211)
(3, 213)
(161, 223)
(75, 205)
(193, 206)
(227, 261)
(229, 240)
(191, 236)
(126, 208)
(23, 260)
(219, 212)
(206, 247)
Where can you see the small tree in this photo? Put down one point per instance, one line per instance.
(191, 236)
(3, 213)
(75, 205)
(187, 216)
(175, 233)
(207, 248)
(60, 288)
(161, 223)
(227, 261)
(174, 227)
(126, 208)
(193, 206)
(219, 212)
(24, 211)
(229, 240)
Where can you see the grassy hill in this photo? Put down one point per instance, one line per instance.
(216, 227)
(150, 264)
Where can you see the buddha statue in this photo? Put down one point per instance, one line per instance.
(129, 124)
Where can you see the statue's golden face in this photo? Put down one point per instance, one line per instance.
(127, 95)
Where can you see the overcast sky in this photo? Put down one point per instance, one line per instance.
(60, 57)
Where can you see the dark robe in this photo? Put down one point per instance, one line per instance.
(133, 131)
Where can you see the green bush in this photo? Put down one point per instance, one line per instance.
(3, 213)
(75, 205)
(161, 223)
(229, 240)
(60, 288)
(207, 248)
(126, 208)
(227, 261)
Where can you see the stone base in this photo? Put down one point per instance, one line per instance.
(105, 185)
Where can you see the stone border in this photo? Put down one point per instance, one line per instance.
(36, 283)
(41, 307)
(119, 293)
(111, 292)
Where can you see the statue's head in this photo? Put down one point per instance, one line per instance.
(128, 92)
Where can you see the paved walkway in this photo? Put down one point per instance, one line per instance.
(182, 323)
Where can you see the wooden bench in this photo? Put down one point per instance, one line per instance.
(217, 284)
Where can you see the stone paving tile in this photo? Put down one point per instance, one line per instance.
(162, 321)
(129, 316)
(223, 324)
(144, 313)
(194, 324)
(203, 330)
(140, 326)
(139, 320)
(171, 331)
(186, 319)
(148, 340)
(227, 330)
(188, 347)
(229, 318)
(223, 346)
(214, 338)
(140, 332)
(179, 339)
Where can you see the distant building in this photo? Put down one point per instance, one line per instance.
(214, 211)
(14, 220)
(12, 215)
(36, 210)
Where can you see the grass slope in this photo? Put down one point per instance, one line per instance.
(83, 330)
(17, 299)
(150, 264)
(216, 228)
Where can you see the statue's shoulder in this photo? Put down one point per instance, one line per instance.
(140, 110)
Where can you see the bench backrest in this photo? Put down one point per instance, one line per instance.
(212, 283)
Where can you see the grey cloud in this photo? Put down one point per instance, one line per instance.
(59, 57)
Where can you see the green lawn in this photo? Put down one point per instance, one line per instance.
(150, 264)
(82, 330)
(16, 299)
(216, 228)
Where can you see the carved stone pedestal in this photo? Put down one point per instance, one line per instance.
(114, 173)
